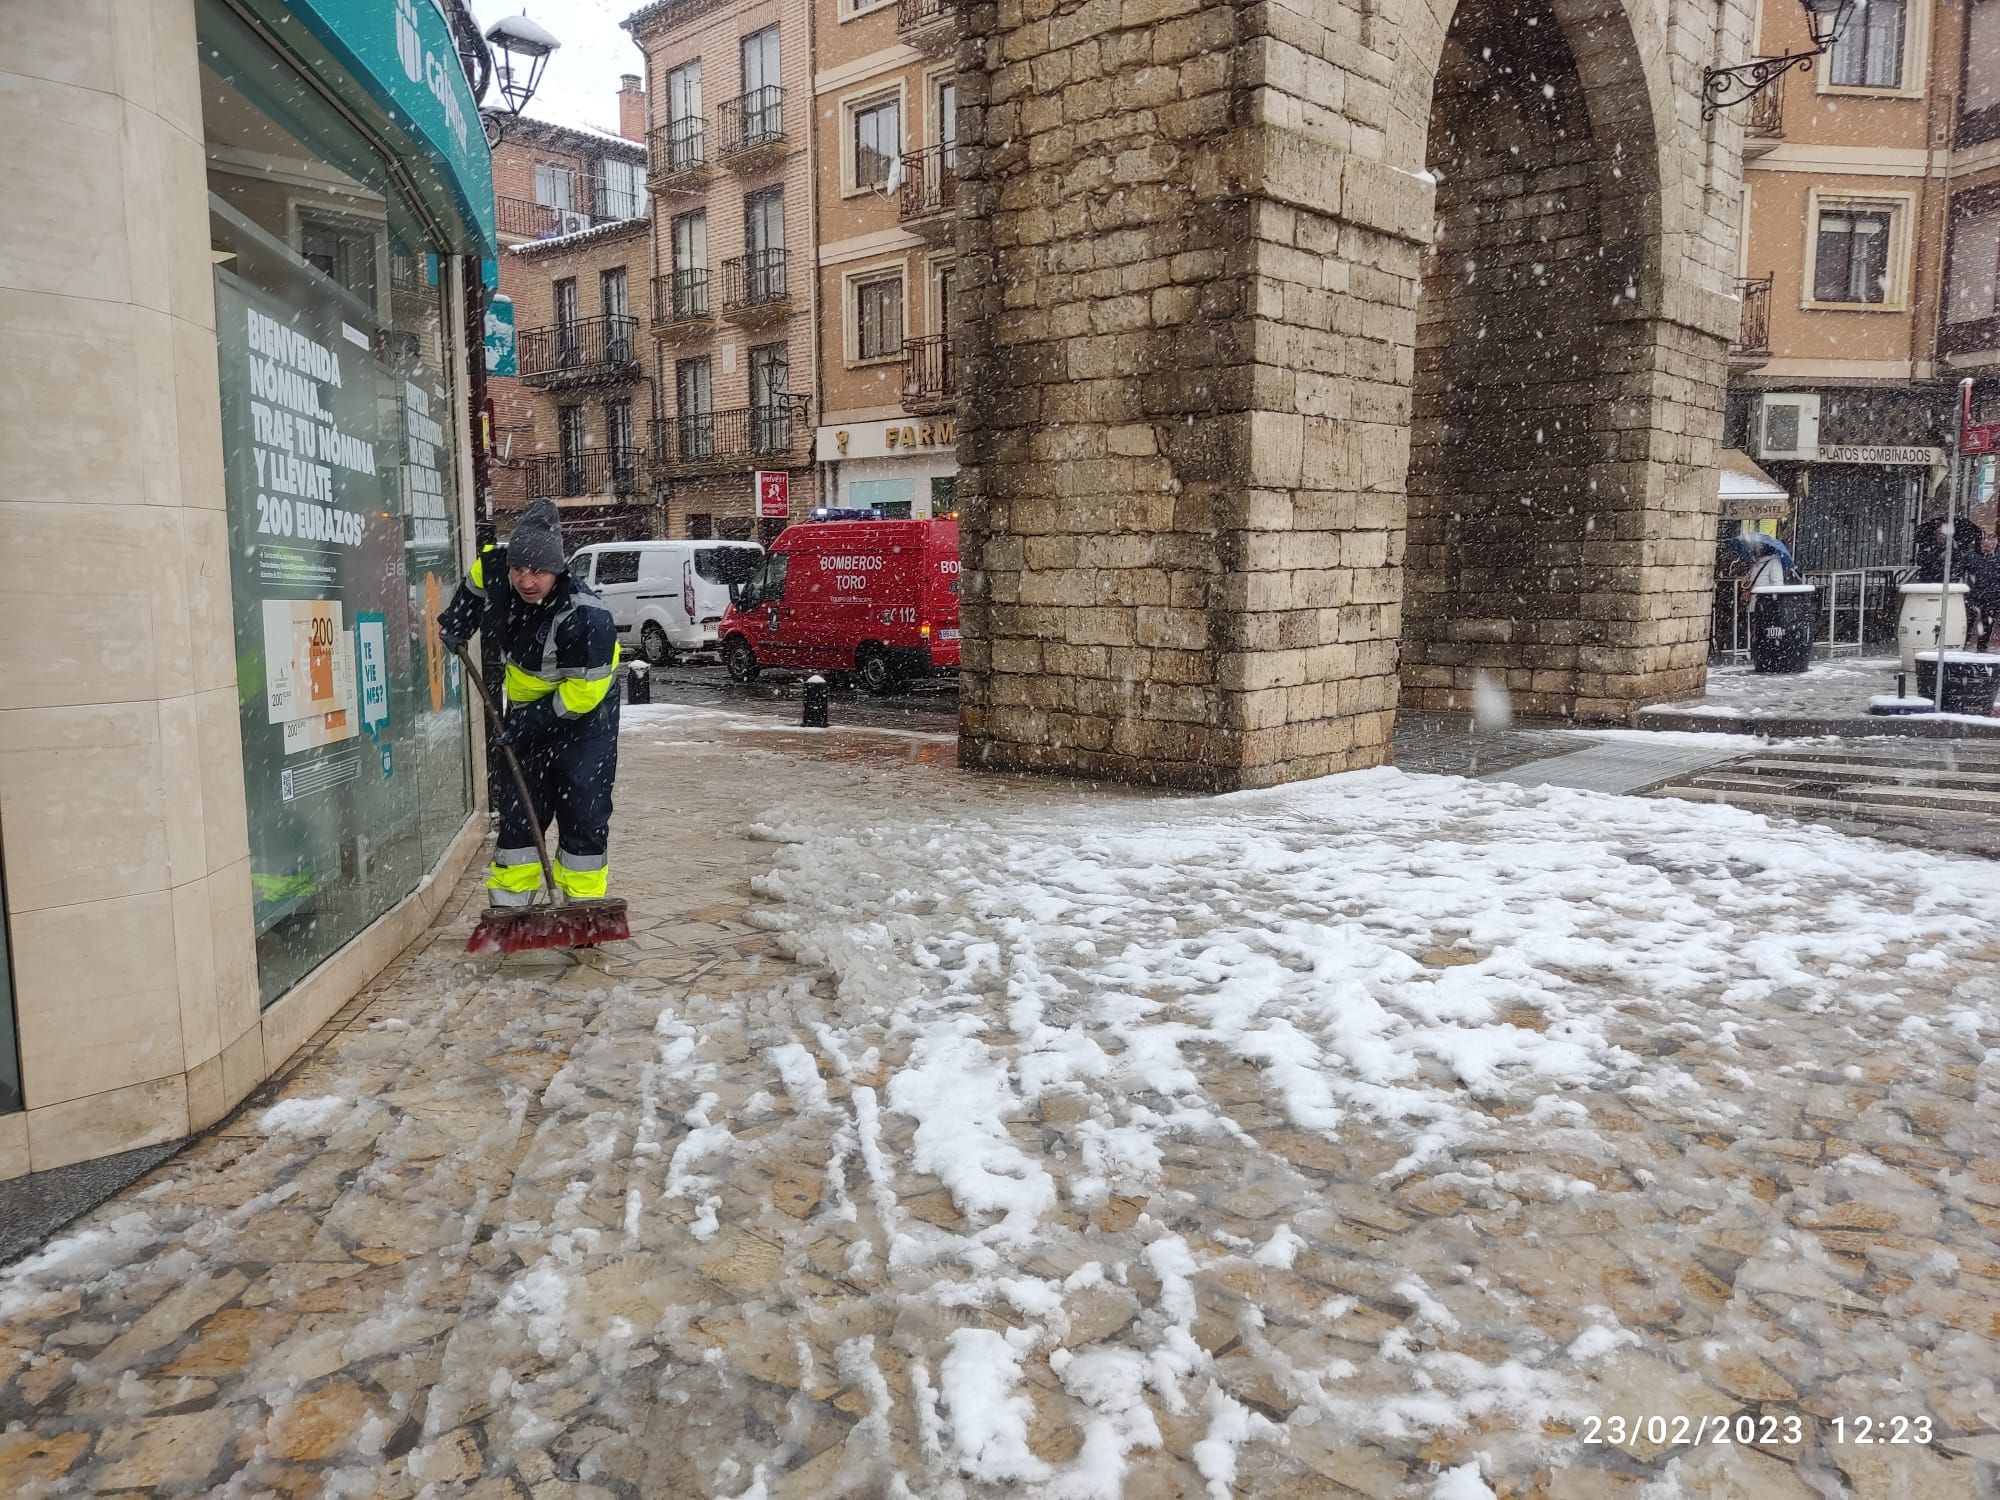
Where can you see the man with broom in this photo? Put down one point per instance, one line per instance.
(559, 653)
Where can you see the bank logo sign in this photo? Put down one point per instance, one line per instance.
(409, 41)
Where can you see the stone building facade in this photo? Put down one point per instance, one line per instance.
(1842, 383)
(885, 81)
(576, 430)
(1310, 352)
(576, 261)
(730, 172)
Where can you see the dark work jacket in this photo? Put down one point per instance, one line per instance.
(559, 658)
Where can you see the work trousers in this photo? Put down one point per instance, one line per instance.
(569, 776)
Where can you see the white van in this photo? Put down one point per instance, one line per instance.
(666, 597)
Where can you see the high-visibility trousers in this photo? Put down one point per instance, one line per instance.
(570, 778)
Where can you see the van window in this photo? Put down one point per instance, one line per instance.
(708, 564)
(770, 583)
(618, 567)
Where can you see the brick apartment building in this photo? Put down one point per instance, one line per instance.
(1871, 225)
(1969, 341)
(576, 260)
(731, 175)
(885, 127)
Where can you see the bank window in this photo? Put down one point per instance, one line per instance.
(1852, 255)
(555, 187)
(352, 718)
(1975, 269)
(875, 140)
(1869, 51)
(878, 317)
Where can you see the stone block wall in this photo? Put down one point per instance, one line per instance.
(1192, 268)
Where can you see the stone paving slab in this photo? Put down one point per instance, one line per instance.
(339, 1292)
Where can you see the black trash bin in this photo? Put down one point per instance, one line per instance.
(1781, 627)
(1970, 681)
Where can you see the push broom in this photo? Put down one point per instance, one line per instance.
(560, 921)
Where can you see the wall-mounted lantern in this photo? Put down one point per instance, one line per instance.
(1723, 87)
(521, 49)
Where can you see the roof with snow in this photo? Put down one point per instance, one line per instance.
(669, 12)
(608, 231)
(591, 137)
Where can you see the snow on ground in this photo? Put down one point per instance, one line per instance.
(1373, 1129)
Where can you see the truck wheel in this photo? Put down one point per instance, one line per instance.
(740, 659)
(871, 665)
(653, 643)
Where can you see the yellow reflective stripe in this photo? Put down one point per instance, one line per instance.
(477, 577)
(516, 878)
(583, 885)
(577, 697)
(525, 687)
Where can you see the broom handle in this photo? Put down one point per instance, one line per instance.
(520, 781)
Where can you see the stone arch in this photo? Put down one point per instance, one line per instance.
(1525, 517)
(1191, 273)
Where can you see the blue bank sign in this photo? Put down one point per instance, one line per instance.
(402, 56)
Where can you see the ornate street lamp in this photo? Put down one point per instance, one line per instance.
(1723, 87)
(521, 49)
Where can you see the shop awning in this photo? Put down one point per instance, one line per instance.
(1747, 492)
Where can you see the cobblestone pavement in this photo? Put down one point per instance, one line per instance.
(352, 1288)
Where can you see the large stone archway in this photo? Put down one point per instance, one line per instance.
(1212, 291)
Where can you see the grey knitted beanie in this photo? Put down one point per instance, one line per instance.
(537, 539)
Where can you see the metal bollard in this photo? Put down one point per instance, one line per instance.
(638, 683)
(815, 715)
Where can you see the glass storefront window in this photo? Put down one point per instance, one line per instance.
(339, 353)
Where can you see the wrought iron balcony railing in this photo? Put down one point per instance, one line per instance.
(1765, 119)
(755, 283)
(584, 473)
(1753, 335)
(930, 183)
(748, 437)
(751, 125)
(604, 349)
(677, 153)
(525, 218)
(682, 297)
(919, 22)
(927, 374)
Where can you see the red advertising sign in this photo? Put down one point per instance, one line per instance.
(1981, 437)
(774, 494)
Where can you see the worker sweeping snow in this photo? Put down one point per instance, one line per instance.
(559, 653)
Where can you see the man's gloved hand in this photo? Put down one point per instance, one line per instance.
(455, 644)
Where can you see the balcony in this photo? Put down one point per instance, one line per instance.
(927, 376)
(681, 301)
(753, 287)
(777, 435)
(752, 130)
(677, 156)
(929, 200)
(930, 26)
(525, 219)
(590, 351)
(585, 474)
(1753, 337)
(1764, 126)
